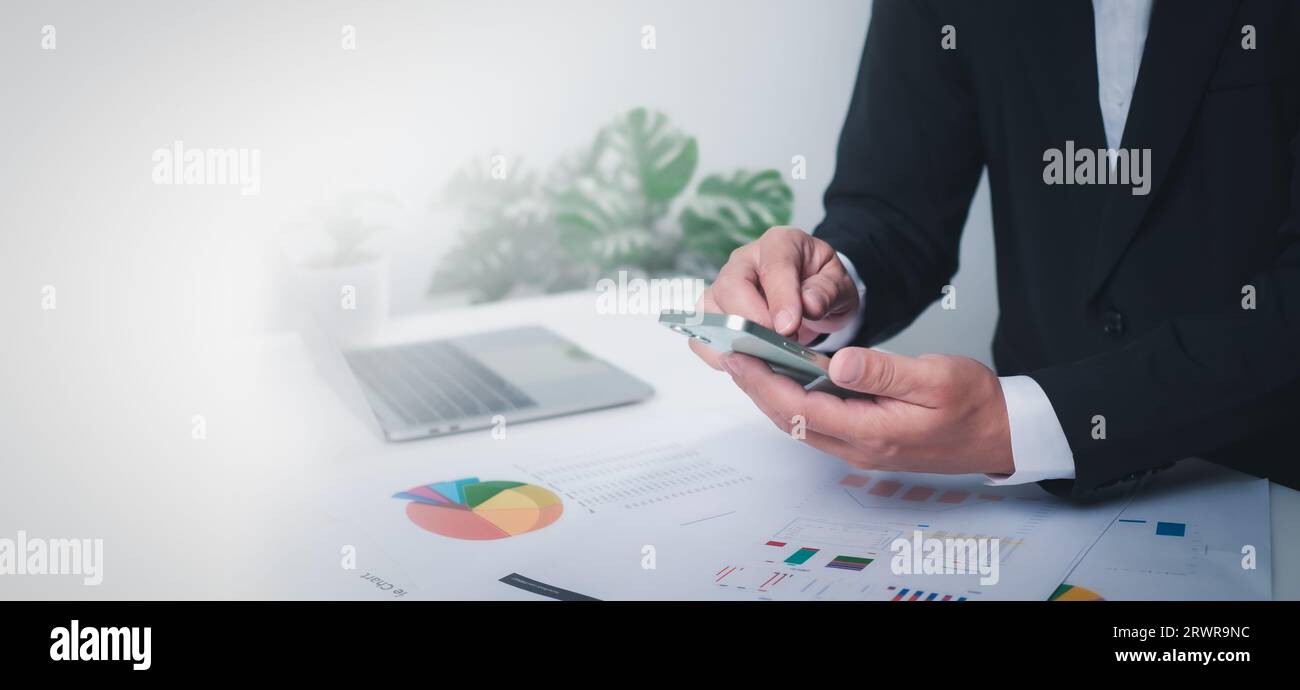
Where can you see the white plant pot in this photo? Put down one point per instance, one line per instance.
(350, 302)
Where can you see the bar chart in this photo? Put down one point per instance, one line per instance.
(851, 534)
(899, 593)
(1167, 547)
(807, 560)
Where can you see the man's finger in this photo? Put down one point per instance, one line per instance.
(779, 265)
(910, 379)
(823, 442)
(830, 300)
(780, 398)
(820, 290)
(736, 292)
(782, 419)
(706, 353)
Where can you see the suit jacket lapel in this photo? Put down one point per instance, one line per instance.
(1056, 47)
(1182, 49)
(1058, 51)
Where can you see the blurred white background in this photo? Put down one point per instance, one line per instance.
(429, 86)
(154, 281)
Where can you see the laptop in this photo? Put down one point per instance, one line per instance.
(439, 387)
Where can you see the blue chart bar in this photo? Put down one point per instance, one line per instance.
(1171, 529)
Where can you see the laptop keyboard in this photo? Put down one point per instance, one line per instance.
(436, 381)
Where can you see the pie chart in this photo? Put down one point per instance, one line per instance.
(473, 509)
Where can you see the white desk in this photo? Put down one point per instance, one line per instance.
(330, 431)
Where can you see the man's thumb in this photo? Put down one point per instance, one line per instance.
(879, 373)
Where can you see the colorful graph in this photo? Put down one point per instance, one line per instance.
(849, 563)
(808, 560)
(1072, 593)
(908, 594)
(473, 509)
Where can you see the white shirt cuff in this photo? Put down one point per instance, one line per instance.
(844, 336)
(1039, 448)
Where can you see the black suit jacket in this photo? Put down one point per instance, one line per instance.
(1120, 305)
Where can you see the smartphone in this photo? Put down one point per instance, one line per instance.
(728, 333)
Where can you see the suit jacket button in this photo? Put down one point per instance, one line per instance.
(1113, 323)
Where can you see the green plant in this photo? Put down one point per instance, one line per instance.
(606, 207)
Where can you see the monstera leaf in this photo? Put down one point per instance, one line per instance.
(510, 246)
(728, 212)
(511, 242)
(659, 158)
(603, 208)
(618, 190)
(583, 163)
(474, 188)
(603, 224)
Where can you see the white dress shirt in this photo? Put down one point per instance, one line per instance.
(1039, 448)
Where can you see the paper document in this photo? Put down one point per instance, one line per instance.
(749, 513)
(1197, 531)
(865, 535)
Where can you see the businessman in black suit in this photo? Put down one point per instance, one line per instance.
(1142, 158)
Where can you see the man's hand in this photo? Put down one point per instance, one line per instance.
(934, 413)
(786, 280)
